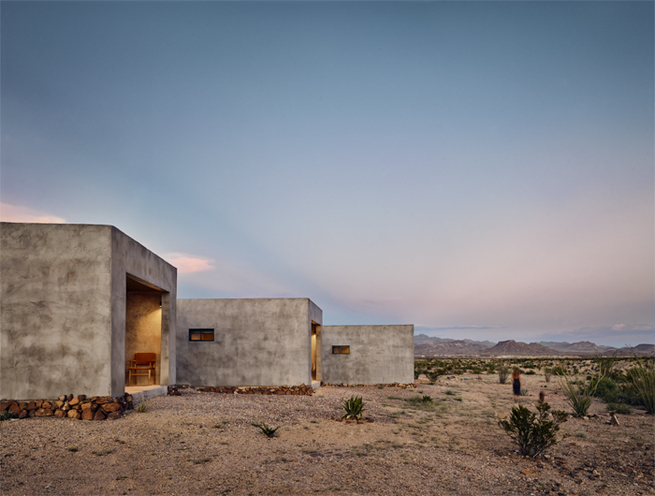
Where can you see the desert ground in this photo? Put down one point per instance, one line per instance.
(205, 443)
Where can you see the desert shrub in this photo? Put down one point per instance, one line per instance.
(267, 430)
(530, 372)
(353, 407)
(6, 415)
(143, 407)
(419, 400)
(608, 390)
(641, 380)
(558, 370)
(533, 433)
(619, 408)
(433, 375)
(548, 373)
(524, 392)
(503, 374)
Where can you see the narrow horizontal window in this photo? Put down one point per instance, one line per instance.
(201, 334)
(341, 350)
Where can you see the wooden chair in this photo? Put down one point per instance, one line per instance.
(143, 364)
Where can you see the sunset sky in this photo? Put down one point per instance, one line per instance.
(481, 170)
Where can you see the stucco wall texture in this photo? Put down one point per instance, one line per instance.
(63, 308)
(257, 342)
(379, 354)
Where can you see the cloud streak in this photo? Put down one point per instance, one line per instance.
(15, 213)
(188, 264)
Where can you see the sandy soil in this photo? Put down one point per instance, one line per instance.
(204, 443)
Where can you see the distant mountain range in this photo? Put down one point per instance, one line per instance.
(433, 346)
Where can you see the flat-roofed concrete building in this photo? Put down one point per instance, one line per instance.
(368, 354)
(248, 342)
(77, 302)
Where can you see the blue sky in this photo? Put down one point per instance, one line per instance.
(479, 169)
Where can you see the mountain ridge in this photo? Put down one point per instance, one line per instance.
(425, 345)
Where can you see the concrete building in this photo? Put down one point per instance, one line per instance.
(368, 354)
(248, 342)
(77, 301)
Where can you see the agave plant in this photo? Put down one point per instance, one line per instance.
(354, 407)
(267, 430)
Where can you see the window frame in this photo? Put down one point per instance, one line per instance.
(342, 349)
(202, 331)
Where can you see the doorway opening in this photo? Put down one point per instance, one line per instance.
(143, 332)
(316, 351)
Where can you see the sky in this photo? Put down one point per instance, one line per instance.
(482, 170)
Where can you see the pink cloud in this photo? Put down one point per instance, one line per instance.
(14, 213)
(187, 264)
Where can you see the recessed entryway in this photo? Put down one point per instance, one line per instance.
(143, 332)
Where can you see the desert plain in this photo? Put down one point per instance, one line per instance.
(205, 444)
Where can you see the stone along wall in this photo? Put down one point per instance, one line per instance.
(72, 407)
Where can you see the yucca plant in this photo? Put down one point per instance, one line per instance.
(578, 397)
(267, 430)
(354, 407)
(503, 374)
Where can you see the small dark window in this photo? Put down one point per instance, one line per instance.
(341, 350)
(201, 334)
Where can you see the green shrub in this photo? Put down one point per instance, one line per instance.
(533, 433)
(353, 407)
(143, 407)
(503, 374)
(434, 375)
(419, 400)
(619, 408)
(6, 415)
(641, 379)
(608, 390)
(266, 429)
(558, 370)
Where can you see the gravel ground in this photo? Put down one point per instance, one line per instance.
(204, 443)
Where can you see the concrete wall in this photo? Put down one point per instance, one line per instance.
(63, 309)
(55, 310)
(381, 354)
(257, 342)
(130, 257)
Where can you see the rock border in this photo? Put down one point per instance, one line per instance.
(302, 390)
(72, 407)
(392, 385)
